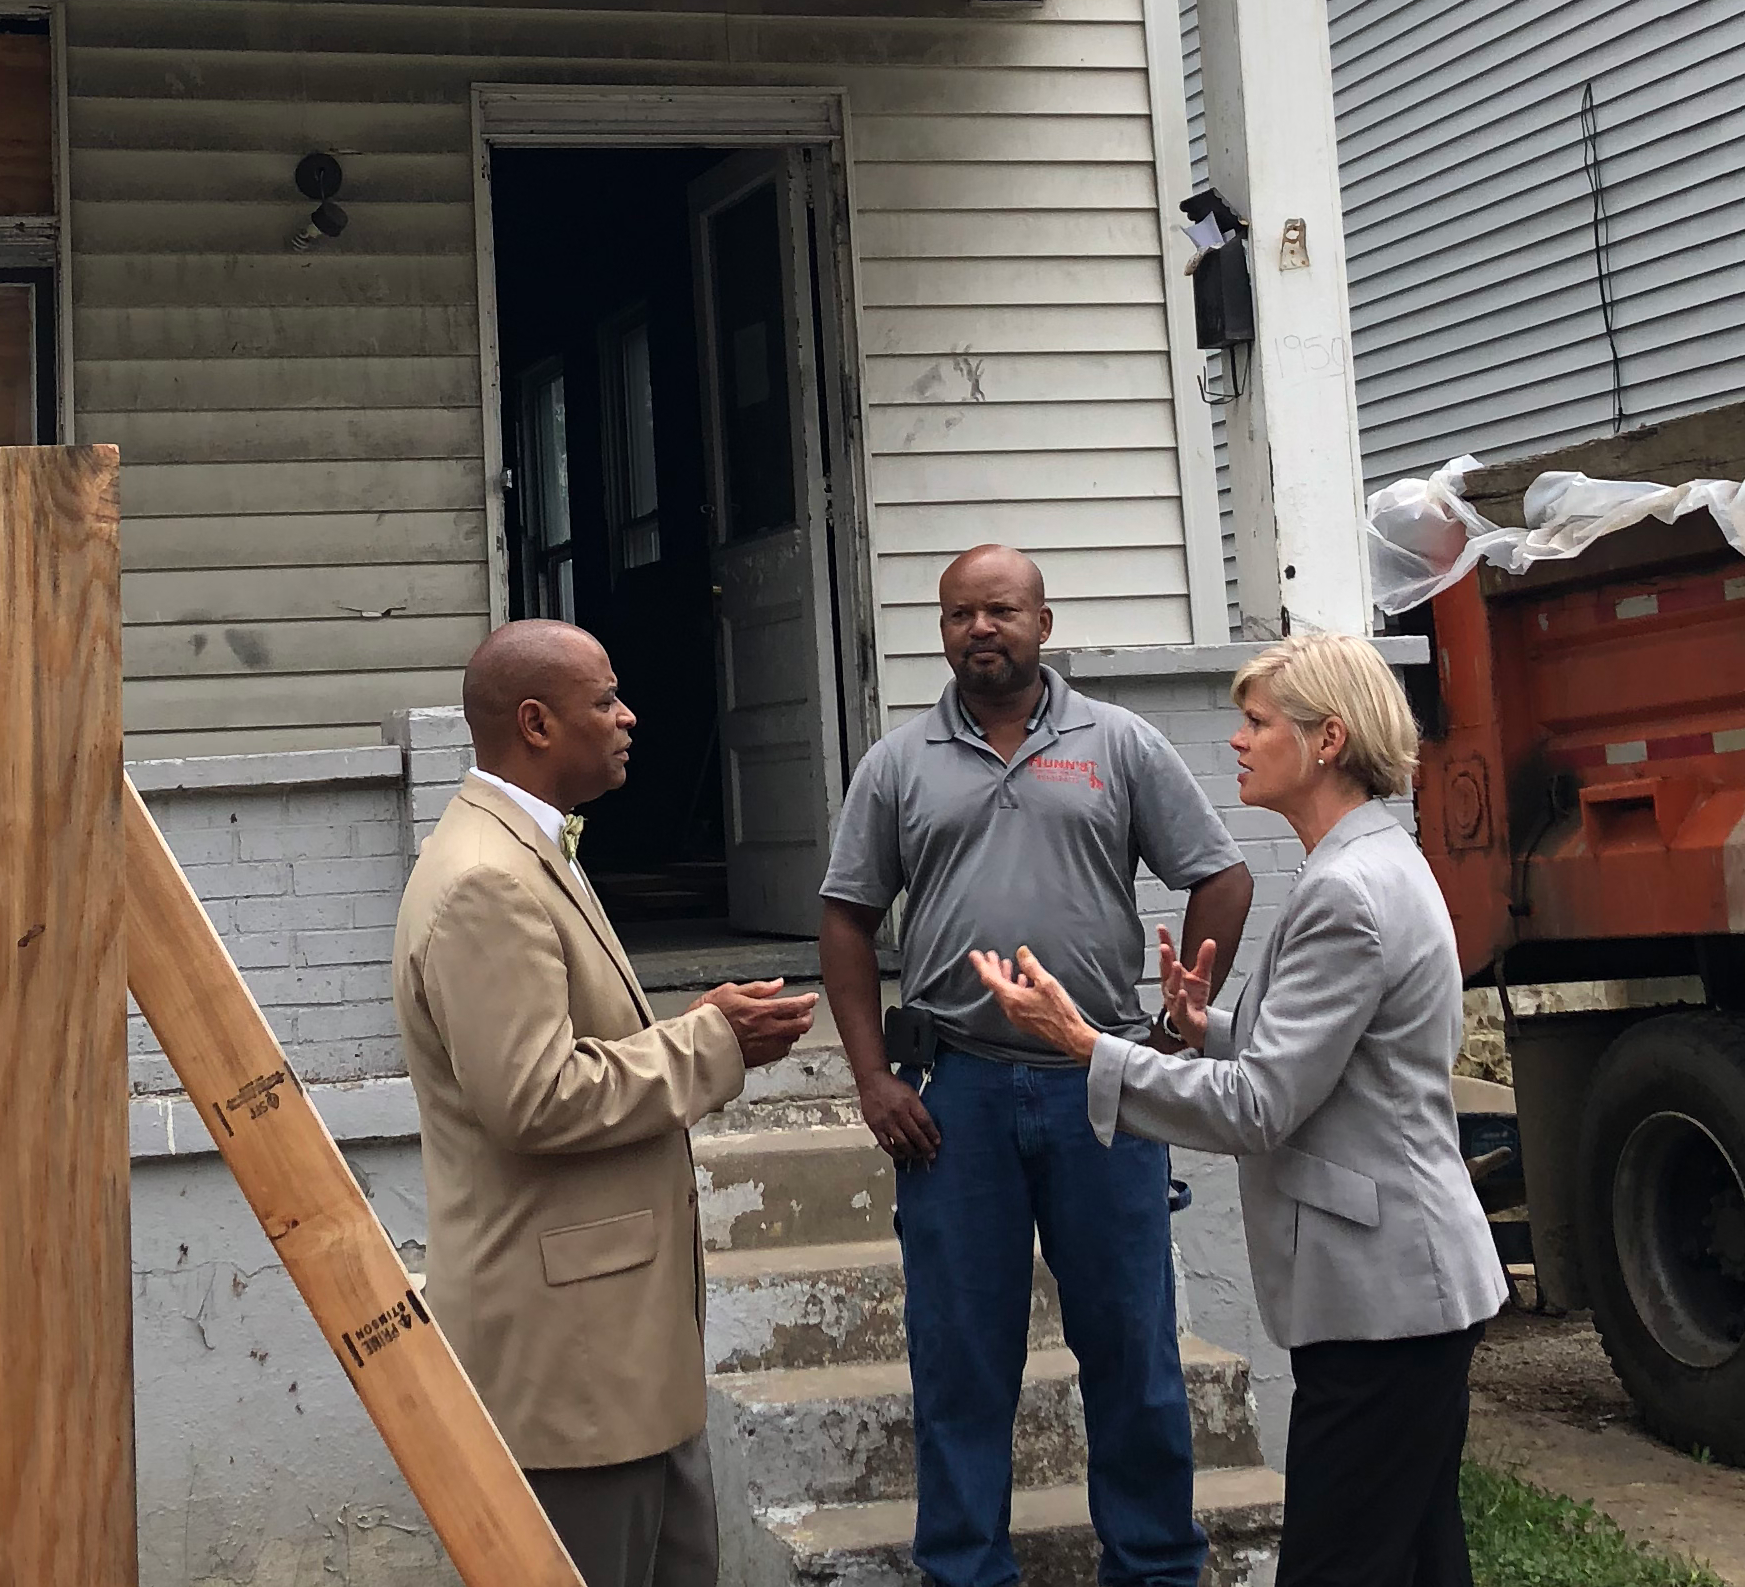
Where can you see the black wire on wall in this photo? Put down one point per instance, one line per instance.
(1602, 235)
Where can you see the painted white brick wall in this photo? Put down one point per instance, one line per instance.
(303, 882)
(300, 860)
(438, 751)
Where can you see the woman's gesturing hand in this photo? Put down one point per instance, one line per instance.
(1186, 992)
(1035, 1002)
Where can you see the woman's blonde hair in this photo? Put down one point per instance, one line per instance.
(1315, 676)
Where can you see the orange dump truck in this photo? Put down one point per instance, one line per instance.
(1582, 802)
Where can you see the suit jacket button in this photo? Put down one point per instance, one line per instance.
(692, 1198)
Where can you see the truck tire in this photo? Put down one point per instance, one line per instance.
(1660, 1199)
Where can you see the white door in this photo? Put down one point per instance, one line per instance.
(769, 504)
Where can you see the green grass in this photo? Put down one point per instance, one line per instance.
(1522, 1536)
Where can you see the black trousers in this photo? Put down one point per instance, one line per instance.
(1372, 1467)
(647, 1523)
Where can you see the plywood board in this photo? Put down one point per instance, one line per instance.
(66, 1294)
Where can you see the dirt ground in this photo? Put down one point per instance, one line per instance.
(1546, 1405)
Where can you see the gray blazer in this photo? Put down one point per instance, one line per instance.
(1330, 1083)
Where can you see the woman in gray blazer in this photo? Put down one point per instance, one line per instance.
(1329, 1081)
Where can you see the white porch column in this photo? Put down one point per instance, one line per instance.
(1295, 470)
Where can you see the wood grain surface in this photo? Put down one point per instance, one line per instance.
(66, 1299)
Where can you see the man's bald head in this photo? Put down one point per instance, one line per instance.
(521, 661)
(542, 706)
(994, 620)
(1004, 563)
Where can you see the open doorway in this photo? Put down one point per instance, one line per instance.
(665, 332)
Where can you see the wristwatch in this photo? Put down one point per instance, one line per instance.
(1170, 1031)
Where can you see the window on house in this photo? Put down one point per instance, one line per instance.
(28, 234)
(627, 405)
(548, 560)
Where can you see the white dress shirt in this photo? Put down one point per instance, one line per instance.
(548, 818)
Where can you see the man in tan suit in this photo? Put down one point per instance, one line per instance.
(565, 1254)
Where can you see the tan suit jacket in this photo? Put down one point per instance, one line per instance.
(565, 1259)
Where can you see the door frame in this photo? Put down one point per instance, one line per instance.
(560, 116)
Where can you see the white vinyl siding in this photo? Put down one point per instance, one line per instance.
(301, 433)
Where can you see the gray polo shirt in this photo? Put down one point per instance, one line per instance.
(1041, 852)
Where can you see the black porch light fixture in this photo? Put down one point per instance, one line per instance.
(318, 177)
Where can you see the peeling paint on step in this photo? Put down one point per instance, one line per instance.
(718, 1210)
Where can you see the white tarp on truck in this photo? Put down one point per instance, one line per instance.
(1425, 536)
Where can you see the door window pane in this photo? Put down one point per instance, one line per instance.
(632, 476)
(752, 366)
(639, 423)
(548, 467)
(26, 126)
(18, 364)
(545, 496)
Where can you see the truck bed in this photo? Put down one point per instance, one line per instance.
(1582, 793)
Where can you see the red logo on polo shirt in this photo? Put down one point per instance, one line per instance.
(1052, 770)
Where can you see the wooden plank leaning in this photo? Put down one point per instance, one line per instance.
(324, 1231)
(66, 1309)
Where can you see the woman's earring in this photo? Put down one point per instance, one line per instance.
(1320, 763)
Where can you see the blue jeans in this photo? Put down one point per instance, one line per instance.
(1017, 1158)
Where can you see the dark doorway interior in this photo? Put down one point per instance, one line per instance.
(602, 430)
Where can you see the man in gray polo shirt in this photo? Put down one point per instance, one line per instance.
(1015, 811)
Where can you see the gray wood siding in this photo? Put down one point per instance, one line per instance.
(302, 434)
(1474, 300)
(1474, 303)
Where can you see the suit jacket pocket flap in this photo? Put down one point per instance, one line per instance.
(1341, 1191)
(591, 1250)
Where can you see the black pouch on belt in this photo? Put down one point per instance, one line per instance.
(911, 1037)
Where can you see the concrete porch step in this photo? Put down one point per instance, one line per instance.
(781, 1113)
(867, 1545)
(810, 1070)
(783, 1307)
(817, 1185)
(816, 1067)
(693, 956)
(845, 1433)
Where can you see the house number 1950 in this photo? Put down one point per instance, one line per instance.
(1311, 355)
